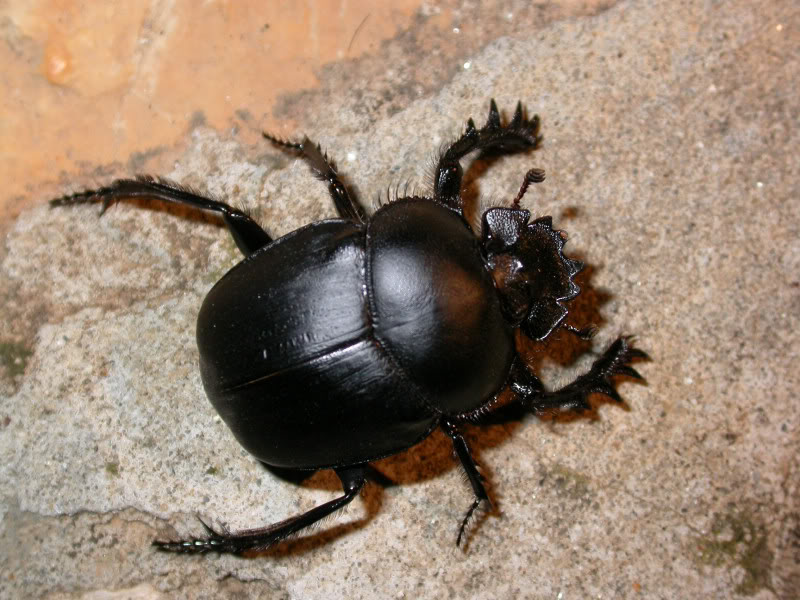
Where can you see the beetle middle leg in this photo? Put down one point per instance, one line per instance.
(473, 475)
(324, 169)
(248, 235)
(519, 134)
(253, 540)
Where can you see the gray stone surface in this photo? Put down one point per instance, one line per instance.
(671, 153)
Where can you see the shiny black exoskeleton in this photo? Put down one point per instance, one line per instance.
(352, 339)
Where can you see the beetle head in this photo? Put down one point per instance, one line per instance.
(531, 273)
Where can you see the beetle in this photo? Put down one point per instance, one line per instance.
(352, 339)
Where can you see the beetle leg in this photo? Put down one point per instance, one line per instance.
(519, 134)
(471, 469)
(574, 396)
(325, 170)
(248, 235)
(254, 540)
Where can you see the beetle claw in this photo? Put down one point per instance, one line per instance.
(210, 530)
(598, 380)
(193, 546)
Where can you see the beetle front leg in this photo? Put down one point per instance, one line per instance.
(519, 134)
(254, 540)
(574, 396)
(248, 235)
(471, 470)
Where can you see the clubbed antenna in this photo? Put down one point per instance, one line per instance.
(532, 176)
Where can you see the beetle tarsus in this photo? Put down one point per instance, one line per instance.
(468, 517)
(194, 546)
(474, 476)
(325, 170)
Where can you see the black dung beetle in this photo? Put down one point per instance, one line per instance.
(352, 339)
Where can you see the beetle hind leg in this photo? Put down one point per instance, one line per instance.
(248, 235)
(255, 540)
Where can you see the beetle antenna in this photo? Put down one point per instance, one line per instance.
(532, 176)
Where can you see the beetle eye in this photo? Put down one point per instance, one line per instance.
(512, 283)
